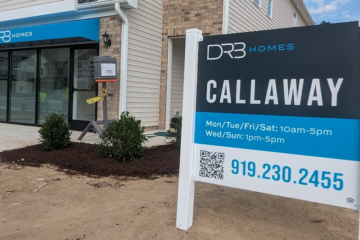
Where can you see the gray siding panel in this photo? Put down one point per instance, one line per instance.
(246, 16)
(143, 91)
(6, 5)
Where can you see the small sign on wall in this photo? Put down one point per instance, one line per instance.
(108, 70)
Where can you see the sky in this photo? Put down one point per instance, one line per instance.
(334, 11)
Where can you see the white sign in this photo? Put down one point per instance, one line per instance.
(108, 70)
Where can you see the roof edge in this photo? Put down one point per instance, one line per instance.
(300, 5)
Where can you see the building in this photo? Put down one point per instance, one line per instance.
(47, 46)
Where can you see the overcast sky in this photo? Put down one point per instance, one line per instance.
(334, 11)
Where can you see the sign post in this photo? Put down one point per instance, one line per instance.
(185, 205)
(105, 70)
(276, 112)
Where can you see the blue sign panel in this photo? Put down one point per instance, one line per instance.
(88, 29)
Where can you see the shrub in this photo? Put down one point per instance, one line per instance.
(123, 139)
(55, 132)
(176, 133)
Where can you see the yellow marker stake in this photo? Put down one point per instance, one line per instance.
(96, 99)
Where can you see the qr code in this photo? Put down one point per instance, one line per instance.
(212, 164)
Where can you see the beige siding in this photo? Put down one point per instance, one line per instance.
(6, 5)
(143, 90)
(246, 16)
(300, 21)
(177, 76)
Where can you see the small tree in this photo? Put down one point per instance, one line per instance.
(123, 140)
(176, 133)
(55, 132)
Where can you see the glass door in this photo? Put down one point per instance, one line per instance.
(4, 74)
(54, 82)
(83, 87)
(23, 86)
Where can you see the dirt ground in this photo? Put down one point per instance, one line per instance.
(81, 207)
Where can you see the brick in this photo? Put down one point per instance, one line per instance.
(179, 15)
(112, 25)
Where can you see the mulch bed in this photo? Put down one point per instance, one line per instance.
(82, 158)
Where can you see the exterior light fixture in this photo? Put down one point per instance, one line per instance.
(106, 39)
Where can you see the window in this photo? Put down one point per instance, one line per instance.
(86, 1)
(269, 8)
(295, 20)
(257, 2)
(50, 71)
(60, 71)
(4, 74)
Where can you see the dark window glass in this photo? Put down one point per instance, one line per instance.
(84, 85)
(54, 82)
(86, 1)
(4, 74)
(23, 87)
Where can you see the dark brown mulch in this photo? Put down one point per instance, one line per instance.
(82, 158)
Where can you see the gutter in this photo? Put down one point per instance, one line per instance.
(124, 57)
(225, 26)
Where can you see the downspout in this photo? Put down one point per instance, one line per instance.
(124, 57)
(225, 26)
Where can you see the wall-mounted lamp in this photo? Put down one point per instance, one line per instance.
(106, 39)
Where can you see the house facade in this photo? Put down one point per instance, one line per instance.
(47, 47)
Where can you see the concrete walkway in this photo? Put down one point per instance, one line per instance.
(14, 136)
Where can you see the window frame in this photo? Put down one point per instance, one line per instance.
(271, 8)
(259, 5)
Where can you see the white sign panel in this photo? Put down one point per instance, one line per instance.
(322, 180)
(108, 70)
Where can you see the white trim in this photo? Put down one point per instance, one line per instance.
(168, 84)
(57, 18)
(169, 80)
(186, 189)
(98, 4)
(38, 10)
(124, 57)
(225, 26)
(62, 11)
(295, 19)
(259, 5)
(271, 8)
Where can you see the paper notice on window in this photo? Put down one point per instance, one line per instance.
(108, 70)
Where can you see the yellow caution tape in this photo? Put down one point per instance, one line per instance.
(96, 99)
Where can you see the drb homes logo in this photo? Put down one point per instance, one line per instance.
(239, 50)
(7, 36)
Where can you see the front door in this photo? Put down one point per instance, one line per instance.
(82, 88)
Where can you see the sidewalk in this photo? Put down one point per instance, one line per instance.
(14, 136)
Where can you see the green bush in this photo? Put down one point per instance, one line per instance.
(55, 132)
(123, 139)
(176, 133)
